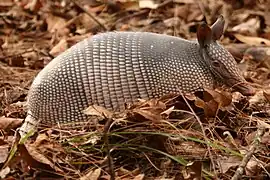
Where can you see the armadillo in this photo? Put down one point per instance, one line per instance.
(113, 68)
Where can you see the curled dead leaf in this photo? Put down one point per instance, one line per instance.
(148, 4)
(252, 168)
(266, 94)
(210, 108)
(55, 23)
(59, 48)
(149, 114)
(149, 109)
(139, 177)
(257, 41)
(99, 111)
(35, 159)
(10, 123)
(228, 162)
(222, 98)
(93, 175)
(4, 150)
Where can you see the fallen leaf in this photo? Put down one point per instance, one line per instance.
(33, 5)
(139, 177)
(148, 4)
(35, 159)
(184, 1)
(4, 172)
(250, 27)
(252, 168)
(4, 150)
(266, 94)
(17, 61)
(99, 111)
(257, 41)
(148, 114)
(167, 112)
(222, 98)
(55, 23)
(93, 175)
(59, 48)
(210, 108)
(10, 123)
(130, 6)
(227, 163)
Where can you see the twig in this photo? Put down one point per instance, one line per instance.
(256, 142)
(107, 147)
(89, 14)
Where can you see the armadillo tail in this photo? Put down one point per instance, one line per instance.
(30, 125)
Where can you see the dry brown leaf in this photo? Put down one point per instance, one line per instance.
(4, 151)
(35, 159)
(222, 98)
(44, 144)
(167, 112)
(259, 54)
(257, 98)
(149, 114)
(266, 139)
(148, 4)
(10, 123)
(266, 94)
(257, 41)
(172, 22)
(139, 177)
(55, 23)
(99, 111)
(130, 5)
(184, 1)
(17, 61)
(263, 124)
(227, 163)
(4, 172)
(87, 22)
(210, 108)
(59, 48)
(250, 27)
(252, 168)
(93, 175)
(127, 173)
(199, 103)
(33, 5)
(38, 156)
(6, 3)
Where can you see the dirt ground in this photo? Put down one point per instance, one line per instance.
(225, 136)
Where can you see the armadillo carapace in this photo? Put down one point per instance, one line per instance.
(112, 68)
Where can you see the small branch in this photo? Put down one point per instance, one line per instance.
(89, 14)
(256, 142)
(107, 147)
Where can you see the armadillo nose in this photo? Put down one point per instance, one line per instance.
(245, 89)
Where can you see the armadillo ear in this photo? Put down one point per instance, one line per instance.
(204, 34)
(217, 28)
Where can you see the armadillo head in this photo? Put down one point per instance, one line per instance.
(219, 60)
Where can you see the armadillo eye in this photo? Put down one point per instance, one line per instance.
(216, 64)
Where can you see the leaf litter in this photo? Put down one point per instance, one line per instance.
(152, 139)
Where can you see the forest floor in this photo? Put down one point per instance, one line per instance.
(215, 134)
